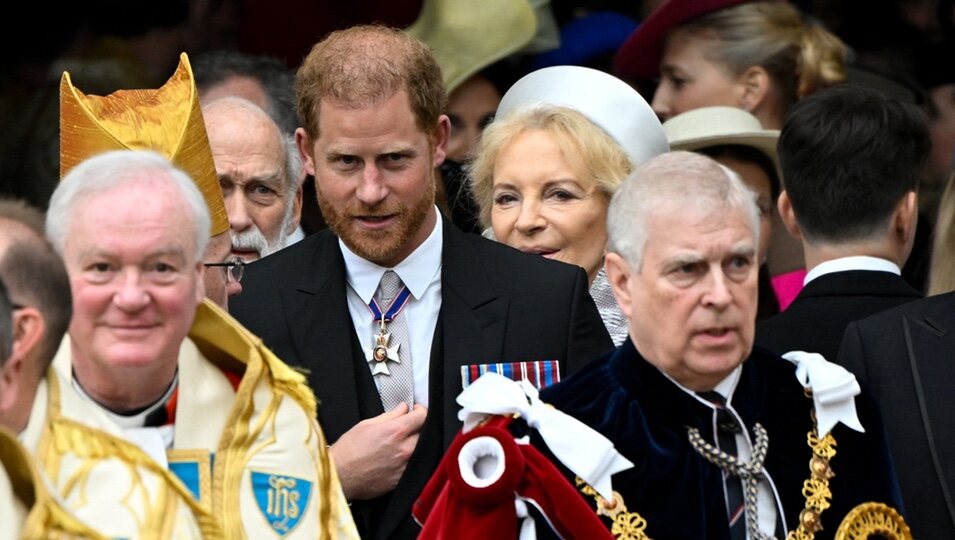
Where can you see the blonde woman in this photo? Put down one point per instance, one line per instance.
(759, 56)
(565, 137)
(941, 273)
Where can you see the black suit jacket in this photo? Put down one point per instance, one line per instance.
(497, 305)
(817, 318)
(905, 357)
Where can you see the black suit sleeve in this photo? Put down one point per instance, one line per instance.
(852, 356)
(588, 338)
(852, 353)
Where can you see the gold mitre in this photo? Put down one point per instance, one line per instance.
(167, 120)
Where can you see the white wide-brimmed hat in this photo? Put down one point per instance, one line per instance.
(717, 126)
(605, 100)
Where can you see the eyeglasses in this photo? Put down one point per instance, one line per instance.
(233, 268)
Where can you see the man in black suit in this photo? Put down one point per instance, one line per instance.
(371, 100)
(904, 358)
(851, 160)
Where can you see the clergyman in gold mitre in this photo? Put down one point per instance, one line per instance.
(167, 120)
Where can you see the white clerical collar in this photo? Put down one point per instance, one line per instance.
(725, 388)
(134, 420)
(416, 271)
(844, 264)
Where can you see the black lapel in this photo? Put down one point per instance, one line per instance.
(324, 336)
(473, 318)
(470, 329)
(930, 346)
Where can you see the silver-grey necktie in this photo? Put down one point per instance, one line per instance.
(392, 369)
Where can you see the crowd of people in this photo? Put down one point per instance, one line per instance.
(402, 292)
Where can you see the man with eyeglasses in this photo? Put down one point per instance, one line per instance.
(179, 379)
(186, 388)
(232, 269)
(224, 272)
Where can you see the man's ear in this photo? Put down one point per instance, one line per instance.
(442, 133)
(619, 275)
(28, 330)
(296, 212)
(788, 217)
(754, 87)
(305, 148)
(905, 217)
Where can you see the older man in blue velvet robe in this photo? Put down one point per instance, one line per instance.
(682, 262)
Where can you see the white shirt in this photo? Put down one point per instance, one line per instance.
(297, 235)
(766, 501)
(844, 264)
(421, 273)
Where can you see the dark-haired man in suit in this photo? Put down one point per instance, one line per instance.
(371, 102)
(851, 160)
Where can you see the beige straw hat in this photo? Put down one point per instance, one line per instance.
(716, 126)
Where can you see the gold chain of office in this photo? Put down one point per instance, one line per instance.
(632, 526)
(860, 523)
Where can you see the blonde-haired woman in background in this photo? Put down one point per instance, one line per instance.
(941, 273)
(563, 139)
(759, 56)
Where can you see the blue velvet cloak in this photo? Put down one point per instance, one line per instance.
(675, 489)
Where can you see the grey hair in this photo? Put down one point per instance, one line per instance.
(674, 180)
(277, 81)
(294, 179)
(293, 164)
(293, 159)
(6, 325)
(112, 169)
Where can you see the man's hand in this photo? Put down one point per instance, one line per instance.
(371, 457)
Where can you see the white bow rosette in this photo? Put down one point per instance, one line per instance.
(587, 453)
(834, 389)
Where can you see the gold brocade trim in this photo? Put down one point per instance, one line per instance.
(816, 488)
(215, 333)
(91, 445)
(331, 512)
(45, 517)
(232, 454)
(291, 383)
(62, 435)
(286, 379)
(219, 336)
(19, 470)
(48, 459)
(51, 522)
(873, 519)
(203, 461)
(626, 525)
